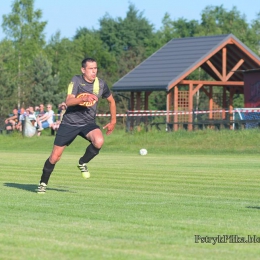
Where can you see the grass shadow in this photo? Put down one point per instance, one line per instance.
(253, 207)
(30, 187)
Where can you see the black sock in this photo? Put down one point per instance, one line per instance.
(46, 171)
(90, 153)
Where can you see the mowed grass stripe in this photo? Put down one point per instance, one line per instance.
(163, 179)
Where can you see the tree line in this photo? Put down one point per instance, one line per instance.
(34, 71)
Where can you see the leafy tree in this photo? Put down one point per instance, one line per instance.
(82, 31)
(217, 20)
(25, 31)
(126, 38)
(43, 86)
(8, 94)
(177, 29)
(255, 32)
(65, 59)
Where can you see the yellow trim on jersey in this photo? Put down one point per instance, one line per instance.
(70, 87)
(96, 86)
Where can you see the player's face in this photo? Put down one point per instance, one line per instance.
(90, 71)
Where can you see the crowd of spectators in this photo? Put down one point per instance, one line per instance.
(38, 117)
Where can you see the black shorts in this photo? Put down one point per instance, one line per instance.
(66, 133)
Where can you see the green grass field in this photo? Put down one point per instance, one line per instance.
(133, 207)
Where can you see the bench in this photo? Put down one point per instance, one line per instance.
(216, 124)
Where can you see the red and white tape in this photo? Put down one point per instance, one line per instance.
(165, 113)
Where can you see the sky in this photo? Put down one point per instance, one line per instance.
(67, 16)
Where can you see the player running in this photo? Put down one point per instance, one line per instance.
(84, 92)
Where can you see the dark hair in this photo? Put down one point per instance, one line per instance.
(83, 63)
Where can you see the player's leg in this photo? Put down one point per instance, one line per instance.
(64, 136)
(49, 167)
(96, 139)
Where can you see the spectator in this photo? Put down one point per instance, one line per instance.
(19, 125)
(31, 115)
(61, 112)
(36, 110)
(41, 111)
(28, 129)
(46, 120)
(11, 122)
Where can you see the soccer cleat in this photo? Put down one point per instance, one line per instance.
(42, 188)
(84, 170)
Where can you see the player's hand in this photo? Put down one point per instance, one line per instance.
(89, 98)
(110, 128)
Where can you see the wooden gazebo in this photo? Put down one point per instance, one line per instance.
(221, 57)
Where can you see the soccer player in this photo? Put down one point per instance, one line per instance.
(79, 119)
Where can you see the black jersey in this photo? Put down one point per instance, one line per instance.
(80, 115)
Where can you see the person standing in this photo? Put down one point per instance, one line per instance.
(83, 94)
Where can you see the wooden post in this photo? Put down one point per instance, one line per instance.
(190, 106)
(231, 104)
(138, 100)
(175, 121)
(224, 106)
(132, 104)
(146, 99)
(168, 106)
(210, 102)
(132, 101)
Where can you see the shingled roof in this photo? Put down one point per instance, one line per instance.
(179, 57)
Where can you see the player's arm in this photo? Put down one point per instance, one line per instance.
(72, 100)
(112, 107)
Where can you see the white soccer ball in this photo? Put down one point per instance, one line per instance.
(143, 152)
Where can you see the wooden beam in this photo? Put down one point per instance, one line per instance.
(224, 64)
(234, 68)
(205, 91)
(214, 70)
(212, 83)
(196, 89)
